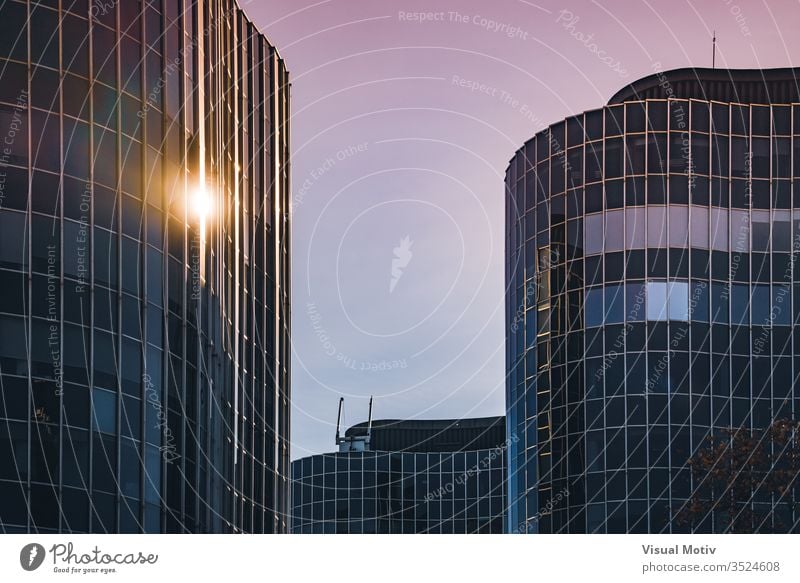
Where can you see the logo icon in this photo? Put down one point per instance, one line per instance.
(31, 556)
(401, 259)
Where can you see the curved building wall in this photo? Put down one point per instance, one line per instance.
(651, 296)
(144, 326)
(399, 493)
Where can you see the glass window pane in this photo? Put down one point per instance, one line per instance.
(614, 158)
(698, 303)
(678, 226)
(635, 302)
(656, 153)
(635, 228)
(14, 31)
(615, 232)
(740, 231)
(656, 300)
(130, 464)
(781, 313)
(593, 234)
(656, 226)
(679, 300)
(594, 307)
(719, 302)
(104, 411)
(13, 240)
(740, 304)
(719, 229)
(760, 305)
(760, 230)
(615, 304)
(782, 231)
(699, 233)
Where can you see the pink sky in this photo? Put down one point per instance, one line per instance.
(402, 128)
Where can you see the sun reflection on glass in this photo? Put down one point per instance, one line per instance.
(201, 203)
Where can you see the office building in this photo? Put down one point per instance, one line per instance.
(651, 298)
(144, 269)
(427, 476)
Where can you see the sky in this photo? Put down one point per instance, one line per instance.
(404, 118)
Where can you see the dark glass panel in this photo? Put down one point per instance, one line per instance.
(14, 32)
(75, 46)
(131, 116)
(594, 124)
(678, 153)
(104, 45)
(635, 117)
(657, 115)
(75, 509)
(131, 65)
(105, 207)
(76, 148)
(635, 154)
(656, 153)
(76, 98)
(46, 141)
(44, 43)
(45, 193)
(131, 275)
(700, 154)
(105, 257)
(105, 156)
(14, 87)
(44, 89)
(740, 120)
(719, 118)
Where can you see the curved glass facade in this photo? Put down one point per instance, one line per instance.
(144, 272)
(399, 492)
(651, 296)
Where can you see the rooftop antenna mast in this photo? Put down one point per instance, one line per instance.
(358, 441)
(339, 420)
(369, 422)
(714, 50)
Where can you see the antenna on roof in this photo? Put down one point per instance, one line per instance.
(339, 420)
(714, 50)
(369, 422)
(357, 440)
